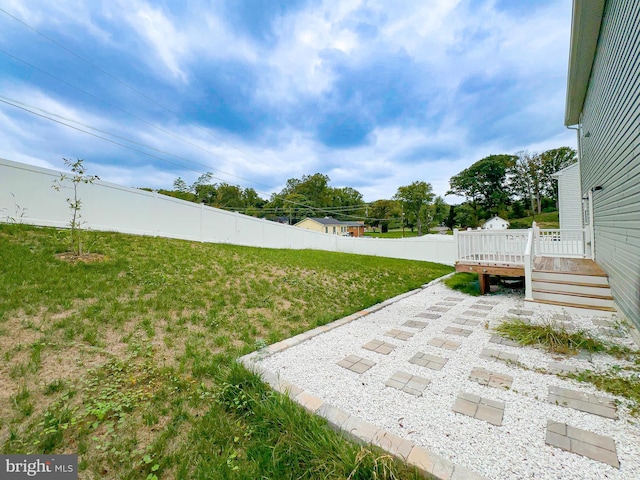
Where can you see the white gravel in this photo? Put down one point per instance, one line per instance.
(515, 450)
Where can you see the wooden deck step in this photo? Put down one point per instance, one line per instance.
(568, 266)
(576, 305)
(573, 294)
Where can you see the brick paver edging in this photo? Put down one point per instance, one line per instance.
(351, 426)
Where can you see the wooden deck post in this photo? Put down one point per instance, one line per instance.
(483, 279)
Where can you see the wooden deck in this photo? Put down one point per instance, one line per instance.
(571, 266)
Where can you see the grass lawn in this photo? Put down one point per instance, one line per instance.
(543, 220)
(392, 234)
(129, 361)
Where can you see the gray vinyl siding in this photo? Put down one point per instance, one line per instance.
(610, 151)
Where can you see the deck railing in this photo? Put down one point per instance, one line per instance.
(557, 242)
(502, 247)
(497, 247)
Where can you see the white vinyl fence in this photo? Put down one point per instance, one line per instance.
(26, 196)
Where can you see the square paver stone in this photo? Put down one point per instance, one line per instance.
(475, 406)
(415, 324)
(458, 331)
(454, 299)
(487, 302)
(474, 313)
(582, 442)
(520, 312)
(379, 346)
(481, 306)
(563, 368)
(585, 402)
(467, 321)
(430, 361)
(431, 316)
(491, 379)
(438, 309)
(356, 364)
(447, 304)
(443, 343)
(408, 383)
(494, 354)
(399, 334)
(601, 322)
(498, 340)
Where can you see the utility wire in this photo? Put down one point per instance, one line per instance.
(122, 82)
(164, 130)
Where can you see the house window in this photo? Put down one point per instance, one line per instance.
(326, 229)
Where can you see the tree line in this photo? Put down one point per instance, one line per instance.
(511, 186)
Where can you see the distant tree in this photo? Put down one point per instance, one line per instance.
(484, 184)
(413, 199)
(179, 185)
(451, 217)
(383, 212)
(437, 213)
(551, 162)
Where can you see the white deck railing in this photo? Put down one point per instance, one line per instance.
(562, 243)
(498, 247)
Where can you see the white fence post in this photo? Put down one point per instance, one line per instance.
(528, 270)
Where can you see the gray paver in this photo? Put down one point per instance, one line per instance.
(444, 343)
(356, 364)
(520, 311)
(491, 379)
(498, 340)
(494, 354)
(585, 402)
(415, 324)
(473, 313)
(488, 302)
(438, 309)
(480, 306)
(601, 322)
(447, 304)
(454, 299)
(563, 368)
(458, 331)
(582, 442)
(466, 321)
(431, 316)
(408, 383)
(430, 361)
(491, 411)
(379, 346)
(399, 334)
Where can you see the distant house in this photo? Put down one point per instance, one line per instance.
(355, 229)
(569, 197)
(495, 223)
(324, 225)
(603, 95)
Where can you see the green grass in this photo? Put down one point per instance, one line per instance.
(543, 220)
(130, 361)
(621, 381)
(556, 338)
(393, 234)
(464, 282)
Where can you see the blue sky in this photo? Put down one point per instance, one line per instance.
(375, 94)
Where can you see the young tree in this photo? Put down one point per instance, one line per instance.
(79, 175)
(413, 198)
(383, 212)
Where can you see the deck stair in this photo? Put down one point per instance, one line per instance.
(571, 283)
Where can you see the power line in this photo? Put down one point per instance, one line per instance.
(164, 130)
(122, 82)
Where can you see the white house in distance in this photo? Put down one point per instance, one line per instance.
(603, 98)
(496, 223)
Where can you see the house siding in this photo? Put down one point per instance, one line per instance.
(610, 150)
(570, 198)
